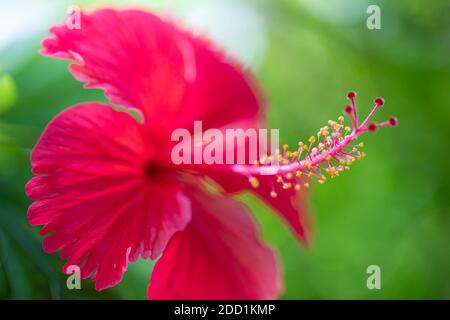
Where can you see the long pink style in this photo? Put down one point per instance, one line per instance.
(330, 153)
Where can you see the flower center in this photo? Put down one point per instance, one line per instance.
(151, 170)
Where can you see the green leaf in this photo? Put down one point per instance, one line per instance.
(15, 272)
(8, 93)
(15, 230)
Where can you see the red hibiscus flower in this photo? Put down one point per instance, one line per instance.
(107, 192)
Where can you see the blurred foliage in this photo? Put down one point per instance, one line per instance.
(7, 93)
(391, 210)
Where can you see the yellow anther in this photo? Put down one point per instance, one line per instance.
(361, 144)
(285, 147)
(310, 174)
(342, 161)
(308, 165)
(298, 173)
(305, 147)
(363, 154)
(289, 175)
(347, 168)
(312, 139)
(287, 185)
(328, 158)
(294, 154)
(300, 144)
(341, 119)
(347, 129)
(306, 185)
(273, 194)
(279, 179)
(253, 182)
(332, 171)
(321, 181)
(331, 123)
(280, 158)
(255, 163)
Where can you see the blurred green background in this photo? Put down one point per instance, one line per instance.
(391, 209)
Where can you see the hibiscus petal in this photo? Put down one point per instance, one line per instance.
(144, 62)
(219, 255)
(289, 204)
(94, 197)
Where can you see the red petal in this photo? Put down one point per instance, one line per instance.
(94, 197)
(219, 255)
(289, 204)
(147, 63)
